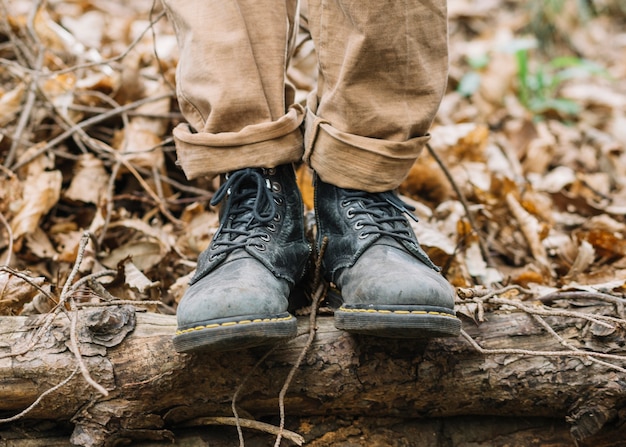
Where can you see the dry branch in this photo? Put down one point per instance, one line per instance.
(152, 388)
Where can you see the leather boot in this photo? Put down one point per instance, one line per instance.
(239, 294)
(388, 284)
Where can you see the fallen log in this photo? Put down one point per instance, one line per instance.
(152, 390)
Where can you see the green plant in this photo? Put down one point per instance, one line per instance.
(470, 82)
(539, 85)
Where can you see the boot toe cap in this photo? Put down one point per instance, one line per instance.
(240, 289)
(389, 276)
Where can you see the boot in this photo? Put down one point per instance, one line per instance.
(239, 294)
(388, 284)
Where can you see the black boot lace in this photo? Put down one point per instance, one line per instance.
(248, 212)
(386, 212)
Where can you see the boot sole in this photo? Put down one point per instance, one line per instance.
(228, 335)
(398, 321)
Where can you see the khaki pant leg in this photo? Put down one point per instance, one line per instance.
(382, 73)
(231, 84)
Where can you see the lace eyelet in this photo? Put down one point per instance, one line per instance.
(271, 227)
(344, 203)
(260, 247)
(265, 237)
(277, 217)
(363, 235)
(358, 225)
(350, 213)
(276, 187)
(278, 200)
(271, 171)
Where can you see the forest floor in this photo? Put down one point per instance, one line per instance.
(528, 187)
(522, 189)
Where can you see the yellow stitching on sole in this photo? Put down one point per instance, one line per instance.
(231, 323)
(398, 312)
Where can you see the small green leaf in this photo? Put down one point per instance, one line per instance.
(479, 61)
(469, 83)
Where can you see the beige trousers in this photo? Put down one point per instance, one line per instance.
(382, 73)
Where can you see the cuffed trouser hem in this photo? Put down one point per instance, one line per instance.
(355, 162)
(264, 145)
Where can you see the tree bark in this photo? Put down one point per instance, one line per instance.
(153, 390)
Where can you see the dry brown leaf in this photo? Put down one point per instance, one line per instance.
(200, 226)
(136, 279)
(10, 195)
(607, 244)
(39, 244)
(531, 230)
(11, 103)
(426, 181)
(144, 254)
(146, 248)
(584, 259)
(15, 292)
(89, 181)
(67, 244)
(41, 191)
(540, 151)
(140, 146)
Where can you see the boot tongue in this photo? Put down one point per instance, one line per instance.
(248, 197)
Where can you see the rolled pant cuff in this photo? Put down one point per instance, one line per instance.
(355, 162)
(264, 145)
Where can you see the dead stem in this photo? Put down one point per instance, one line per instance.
(29, 280)
(470, 217)
(533, 353)
(119, 57)
(246, 423)
(4, 221)
(26, 111)
(319, 286)
(76, 351)
(564, 342)
(86, 123)
(233, 404)
(602, 320)
(39, 399)
(65, 297)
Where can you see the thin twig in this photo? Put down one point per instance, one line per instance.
(39, 399)
(4, 221)
(485, 294)
(161, 203)
(581, 295)
(154, 48)
(76, 351)
(602, 320)
(233, 403)
(319, 286)
(535, 353)
(564, 342)
(29, 280)
(89, 278)
(65, 296)
(22, 50)
(109, 203)
(470, 217)
(79, 259)
(122, 303)
(246, 423)
(26, 111)
(117, 58)
(86, 123)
